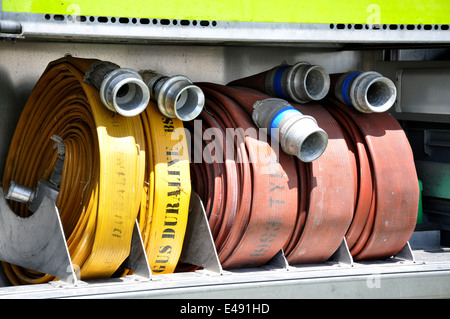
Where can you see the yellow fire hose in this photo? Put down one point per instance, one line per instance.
(116, 169)
(168, 190)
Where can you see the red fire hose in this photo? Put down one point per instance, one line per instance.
(364, 186)
(390, 214)
(253, 209)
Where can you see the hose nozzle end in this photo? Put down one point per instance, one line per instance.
(368, 92)
(176, 96)
(304, 139)
(301, 82)
(124, 92)
(182, 98)
(299, 134)
(20, 193)
(121, 90)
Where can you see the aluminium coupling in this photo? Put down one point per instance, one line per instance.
(176, 96)
(20, 193)
(298, 134)
(121, 89)
(301, 82)
(367, 92)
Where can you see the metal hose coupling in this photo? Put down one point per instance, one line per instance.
(20, 193)
(366, 91)
(298, 134)
(24, 194)
(301, 82)
(175, 96)
(121, 90)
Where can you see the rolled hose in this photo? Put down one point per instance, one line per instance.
(375, 159)
(165, 203)
(329, 209)
(115, 170)
(248, 225)
(388, 189)
(103, 173)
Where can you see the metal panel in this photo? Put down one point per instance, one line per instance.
(423, 91)
(70, 24)
(422, 87)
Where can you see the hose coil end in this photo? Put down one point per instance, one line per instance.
(298, 134)
(368, 92)
(301, 82)
(176, 96)
(20, 193)
(121, 90)
(124, 92)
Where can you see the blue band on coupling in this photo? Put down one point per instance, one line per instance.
(277, 82)
(345, 85)
(280, 115)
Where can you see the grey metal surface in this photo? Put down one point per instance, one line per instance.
(91, 28)
(422, 93)
(137, 260)
(342, 254)
(24, 62)
(36, 242)
(425, 278)
(198, 246)
(419, 87)
(11, 104)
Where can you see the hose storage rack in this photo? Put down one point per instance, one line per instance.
(257, 187)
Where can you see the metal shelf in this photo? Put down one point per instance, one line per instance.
(427, 277)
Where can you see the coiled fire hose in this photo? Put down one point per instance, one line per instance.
(323, 213)
(381, 176)
(251, 197)
(387, 188)
(165, 203)
(102, 182)
(115, 170)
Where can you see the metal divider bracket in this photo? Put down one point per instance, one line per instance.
(137, 260)
(342, 254)
(278, 261)
(406, 253)
(36, 242)
(198, 247)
